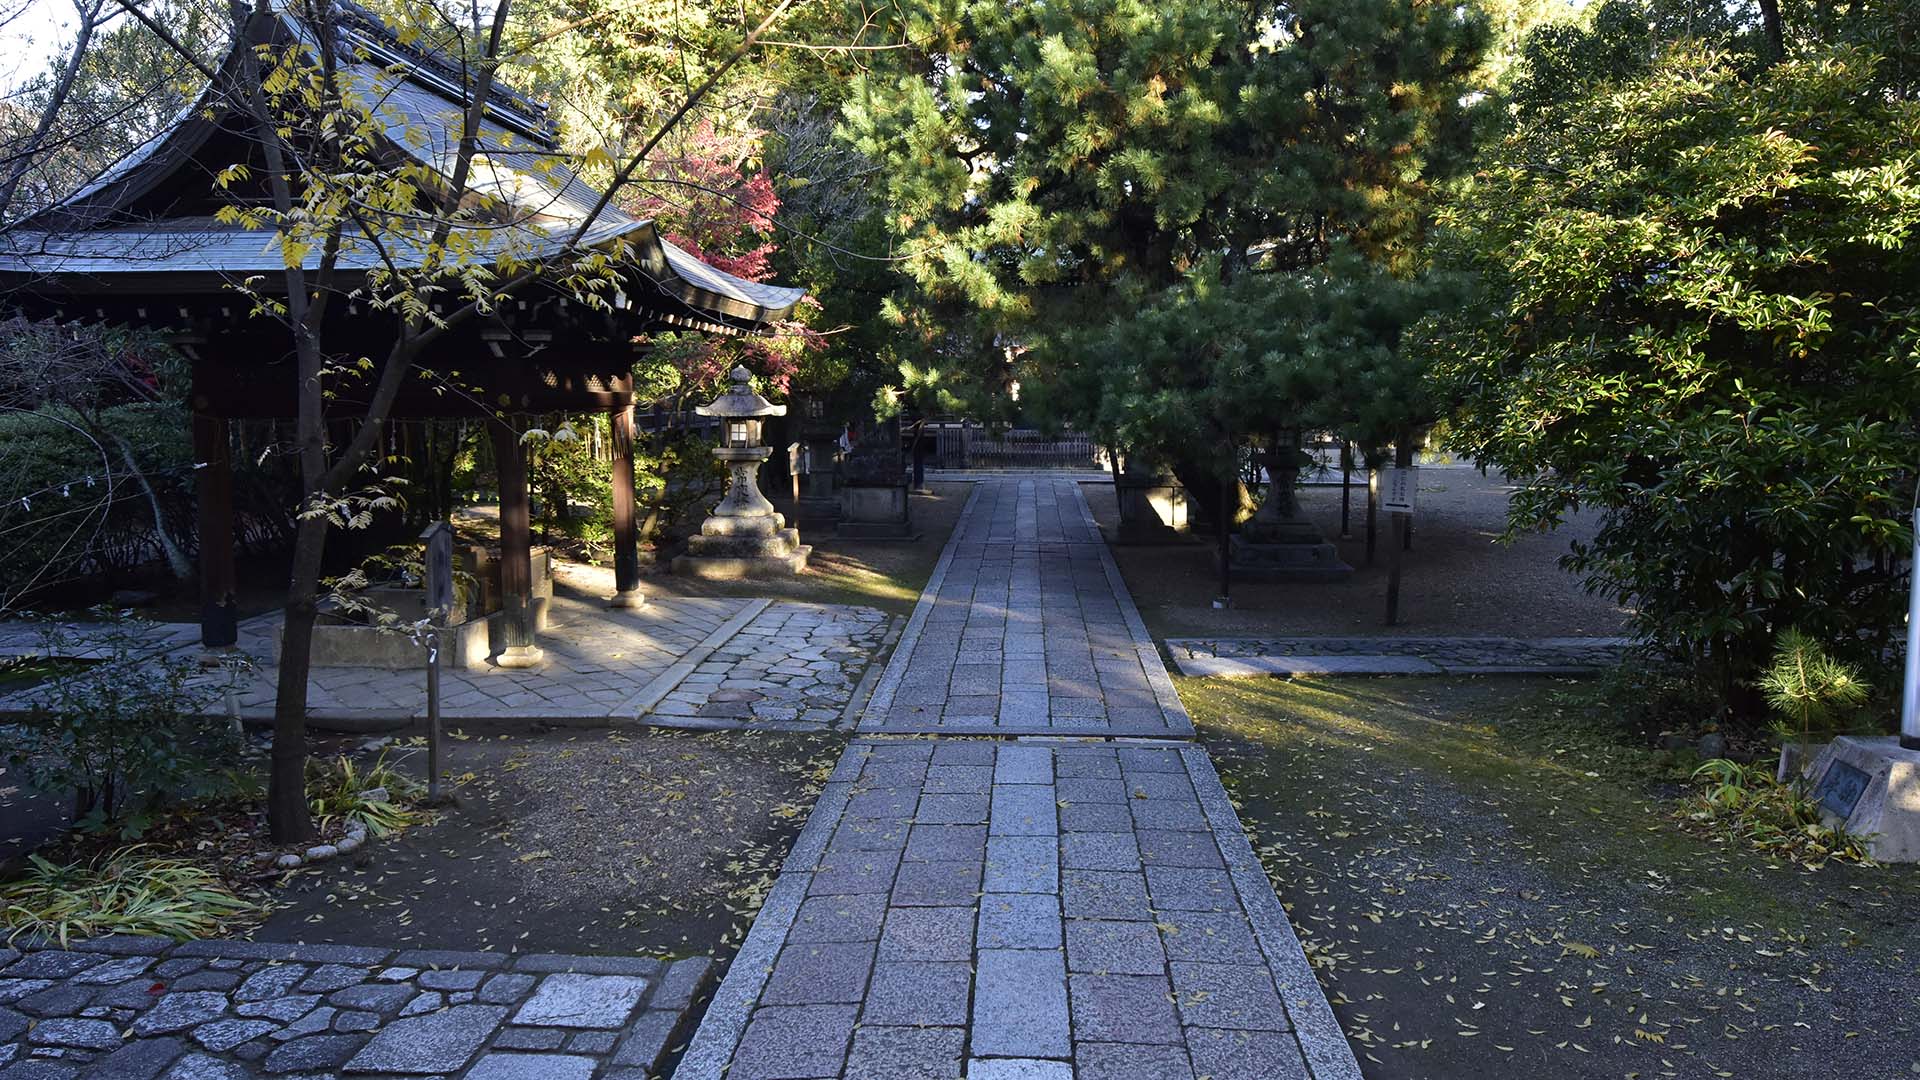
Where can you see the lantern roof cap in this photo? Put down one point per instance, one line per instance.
(740, 400)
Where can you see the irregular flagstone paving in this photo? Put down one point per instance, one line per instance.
(1050, 907)
(1247, 657)
(794, 664)
(130, 1008)
(1026, 628)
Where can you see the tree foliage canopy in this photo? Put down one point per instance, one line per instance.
(1696, 314)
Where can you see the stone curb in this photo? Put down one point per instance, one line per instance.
(1324, 1045)
(711, 1051)
(663, 683)
(896, 670)
(863, 690)
(1179, 724)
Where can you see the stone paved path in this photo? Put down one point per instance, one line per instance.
(1026, 628)
(677, 662)
(1248, 657)
(1051, 907)
(135, 1008)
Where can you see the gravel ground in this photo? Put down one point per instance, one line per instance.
(1457, 580)
(1487, 893)
(587, 842)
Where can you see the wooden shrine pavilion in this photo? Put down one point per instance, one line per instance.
(141, 245)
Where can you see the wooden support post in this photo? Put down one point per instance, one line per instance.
(626, 536)
(516, 549)
(213, 481)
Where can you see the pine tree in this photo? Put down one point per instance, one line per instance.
(1061, 167)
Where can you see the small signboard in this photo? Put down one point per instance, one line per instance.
(1397, 488)
(439, 568)
(1840, 789)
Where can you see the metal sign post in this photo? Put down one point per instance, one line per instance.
(1398, 487)
(438, 538)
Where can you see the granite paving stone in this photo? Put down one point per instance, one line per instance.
(433, 1043)
(582, 1001)
(906, 1053)
(1020, 1004)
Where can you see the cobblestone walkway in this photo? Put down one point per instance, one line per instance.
(1026, 628)
(1245, 657)
(129, 1008)
(1052, 907)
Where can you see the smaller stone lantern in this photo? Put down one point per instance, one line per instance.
(744, 536)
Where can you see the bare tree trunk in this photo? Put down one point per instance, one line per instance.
(176, 559)
(287, 811)
(1774, 30)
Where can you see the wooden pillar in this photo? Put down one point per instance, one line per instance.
(213, 483)
(626, 535)
(516, 549)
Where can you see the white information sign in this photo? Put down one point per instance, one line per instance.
(1397, 487)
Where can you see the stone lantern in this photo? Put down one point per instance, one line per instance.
(744, 536)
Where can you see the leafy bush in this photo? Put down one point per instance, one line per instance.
(1745, 804)
(120, 892)
(1811, 693)
(341, 790)
(1692, 320)
(125, 733)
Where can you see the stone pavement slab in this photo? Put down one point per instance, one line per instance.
(141, 1008)
(1254, 657)
(1108, 946)
(1026, 628)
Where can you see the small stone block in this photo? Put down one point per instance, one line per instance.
(1020, 1004)
(1019, 921)
(532, 1067)
(582, 1001)
(905, 1053)
(793, 1041)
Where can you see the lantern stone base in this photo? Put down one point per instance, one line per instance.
(729, 548)
(778, 556)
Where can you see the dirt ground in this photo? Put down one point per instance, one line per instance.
(1457, 580)
(1490, 890)
(588, 842)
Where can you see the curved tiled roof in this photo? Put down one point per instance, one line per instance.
(539, 207)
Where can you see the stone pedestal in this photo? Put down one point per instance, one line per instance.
(1278, 543)
(874, 512)
(1153, 506)
(1871, 788)
(744, 537)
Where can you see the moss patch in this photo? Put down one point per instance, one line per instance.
(1494, 884)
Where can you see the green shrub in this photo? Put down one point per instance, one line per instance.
(1745, 804)
(121, 892)
(123, 734)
